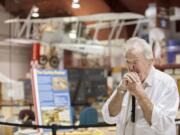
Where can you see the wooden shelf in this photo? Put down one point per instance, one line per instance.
(168, 66)
(15, 103)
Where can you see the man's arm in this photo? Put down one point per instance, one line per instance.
(135, 88)
(146, 105)
(116, 103)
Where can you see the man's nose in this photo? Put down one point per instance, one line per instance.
(131, 67)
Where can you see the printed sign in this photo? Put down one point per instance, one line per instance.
(51, 97)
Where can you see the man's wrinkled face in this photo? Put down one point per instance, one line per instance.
(136, 62)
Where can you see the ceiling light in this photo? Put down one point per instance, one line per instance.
(72, 34)
(35, 11)
(151, 11)
(75, 4)
(76, 1)
(35, 14)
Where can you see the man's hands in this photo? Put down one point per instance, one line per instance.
(132, 83)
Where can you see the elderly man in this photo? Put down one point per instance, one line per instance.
(156, 96)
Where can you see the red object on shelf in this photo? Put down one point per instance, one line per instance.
(36, 51)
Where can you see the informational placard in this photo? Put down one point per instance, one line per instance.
(51, 97)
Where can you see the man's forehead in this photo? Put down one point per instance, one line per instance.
(134, 53)
(135, 50)
(131, 59)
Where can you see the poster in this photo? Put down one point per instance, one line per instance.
(51, 97)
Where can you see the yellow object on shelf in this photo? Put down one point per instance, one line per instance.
(116, 69)
(178, 84)
(83, 132)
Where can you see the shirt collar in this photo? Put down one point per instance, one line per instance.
(149, 79)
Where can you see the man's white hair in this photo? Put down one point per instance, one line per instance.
(138, 43)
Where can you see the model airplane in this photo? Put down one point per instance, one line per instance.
(54, 31)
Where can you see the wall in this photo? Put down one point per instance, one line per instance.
(14, 60)
(4, 29)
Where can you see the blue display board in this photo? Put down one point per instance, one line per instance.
(51, 97)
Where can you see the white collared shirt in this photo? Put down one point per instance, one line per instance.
(163, 93)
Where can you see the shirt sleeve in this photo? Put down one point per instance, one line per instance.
(105, 111)
(164, 112)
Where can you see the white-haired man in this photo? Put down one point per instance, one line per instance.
(156, 96)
